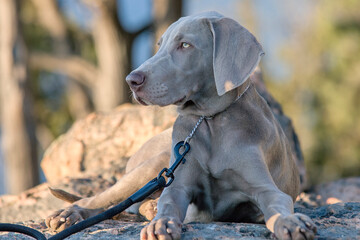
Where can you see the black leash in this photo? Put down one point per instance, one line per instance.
(152, 186)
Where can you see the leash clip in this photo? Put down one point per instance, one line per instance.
(179, 158)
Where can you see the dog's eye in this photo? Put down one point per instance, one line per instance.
(159, 42)
(185, 45)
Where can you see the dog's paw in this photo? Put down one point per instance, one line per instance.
(296, 226)
(163, 229)
(149, 209)
(71, 215)
(64, 218)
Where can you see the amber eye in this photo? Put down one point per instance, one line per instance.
(185, 45)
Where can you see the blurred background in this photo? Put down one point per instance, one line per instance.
(63, 59)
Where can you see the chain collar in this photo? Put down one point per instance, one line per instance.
(188, 138)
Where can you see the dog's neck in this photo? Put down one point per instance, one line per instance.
(211, 104)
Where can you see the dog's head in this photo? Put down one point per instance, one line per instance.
(201, 58)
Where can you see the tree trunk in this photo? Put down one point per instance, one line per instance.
(113, 49)
(18, 130)
(52, 20)
(165, 12)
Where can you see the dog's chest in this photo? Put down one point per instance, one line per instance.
(216, 147)
(216, 151)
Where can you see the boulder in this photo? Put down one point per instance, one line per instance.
(104, 140)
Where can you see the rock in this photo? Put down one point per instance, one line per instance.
(104, 140)
(37, 203)
(337, 221)
(111, 229)
(343, 190)
(339, 191)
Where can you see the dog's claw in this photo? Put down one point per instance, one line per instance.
(163, 228)
(295, 226)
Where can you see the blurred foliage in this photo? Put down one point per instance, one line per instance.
(36, 38)
(322, 95)
(49, 88)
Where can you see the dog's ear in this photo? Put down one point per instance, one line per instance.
(236, 53)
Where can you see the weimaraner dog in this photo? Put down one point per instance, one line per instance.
(240, 167)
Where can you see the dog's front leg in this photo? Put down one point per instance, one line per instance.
(172, 208)
(280, 219)
(276, 206)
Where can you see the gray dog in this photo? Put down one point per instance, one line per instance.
(240, 166)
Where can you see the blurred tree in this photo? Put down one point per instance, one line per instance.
(323, 96)
(53, 22)
(165, 12)
(113, 48)
(68, 71)
(17, 122)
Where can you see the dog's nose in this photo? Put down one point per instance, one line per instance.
(135, 80)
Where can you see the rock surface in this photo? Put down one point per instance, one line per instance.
(343, 190)
(336, 221)
(37, 203)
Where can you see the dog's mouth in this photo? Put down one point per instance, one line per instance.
(141, 100)
(145, 102)
(180, 101)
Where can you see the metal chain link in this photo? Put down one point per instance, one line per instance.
(188, 138)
